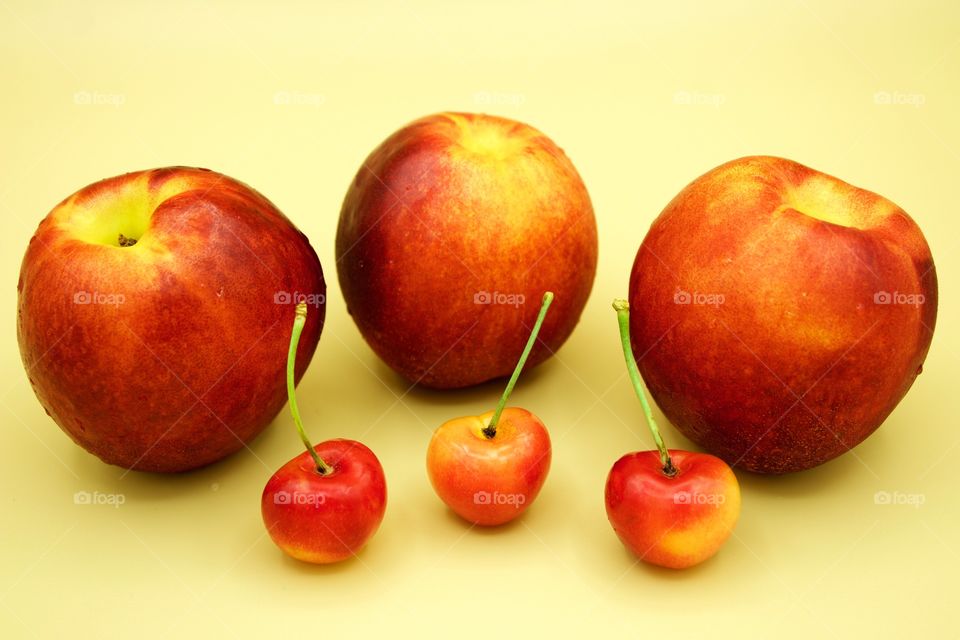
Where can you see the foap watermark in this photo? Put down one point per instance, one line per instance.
(296, 297)
(899, 98)
(682, 296)
(298, 99)
(99, 498)
(694, 497)
(497, 297)
(497, 498)
(499, 98)
(898, 297)
(899, 498)
(699, 99)
(97, 297)
(86, 98)
(299, 498)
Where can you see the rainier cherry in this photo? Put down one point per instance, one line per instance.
(670, 508)
(323, 505)
(489, 468)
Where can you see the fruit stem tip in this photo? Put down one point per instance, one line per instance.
(623, 319)
(490, 431)
(299, 320)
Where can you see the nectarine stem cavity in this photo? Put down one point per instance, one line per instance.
(623, 316)
(491, 429)
(299, 320)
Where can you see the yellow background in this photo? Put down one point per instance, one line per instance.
(643, 99)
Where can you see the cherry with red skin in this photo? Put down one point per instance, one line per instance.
(656, 516)
(324, 518)
(323, 505)
(489, 481)
(489, 468)
(671, 508)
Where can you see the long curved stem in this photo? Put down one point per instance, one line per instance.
(299, 320)
(623, 317)
(491, 429)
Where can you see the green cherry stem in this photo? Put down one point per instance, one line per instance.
(623, 316)
(490, 431)
(299, 320)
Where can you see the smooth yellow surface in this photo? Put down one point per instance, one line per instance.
(643, 99)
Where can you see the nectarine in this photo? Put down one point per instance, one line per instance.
(452, 225)
(153, 311)
(780, 314)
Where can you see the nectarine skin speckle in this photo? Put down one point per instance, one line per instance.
(181, 360)
(800, 360)
(447, 213)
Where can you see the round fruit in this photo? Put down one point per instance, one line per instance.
(451, 231)
(784, 312)
(152, 315)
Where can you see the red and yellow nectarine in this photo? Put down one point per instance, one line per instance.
(452, 224)
(785, 312)
(152, 315)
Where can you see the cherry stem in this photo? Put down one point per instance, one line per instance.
(623, 316)
(298, 322)
(490, 431)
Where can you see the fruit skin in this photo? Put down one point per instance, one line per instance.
(190, 365)
(799, 312)
(449, 208)
(326, 518)
(673, 522)
(489, 481)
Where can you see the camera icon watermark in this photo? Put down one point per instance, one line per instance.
(86, 98)
(498, 98)
(497, 498)
(298, 99)
(300, 498)
(296, 297)
(899, 98)
(96, 297)
(914, 500)
(499, 298)
(896, 297)
(85, 498)
(693, 497)
(682, 296)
